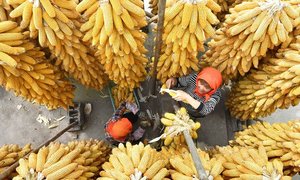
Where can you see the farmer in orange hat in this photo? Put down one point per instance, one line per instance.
(119, 128)
(200, 91)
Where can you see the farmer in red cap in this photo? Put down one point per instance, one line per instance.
(119, 128)
(200, 91)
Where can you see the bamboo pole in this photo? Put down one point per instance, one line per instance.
(158, 43)
(197, 162)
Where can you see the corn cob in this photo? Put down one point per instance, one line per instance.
(174, 122)
(266, 136)
(273, 85)
(248, 33)
(118, 39)
(61, 160)
(187, 25)
(131, 160)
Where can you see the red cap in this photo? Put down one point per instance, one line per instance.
(213, 77)
(120, 129)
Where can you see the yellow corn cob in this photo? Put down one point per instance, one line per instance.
(108, 19)
(48, 8)
(41, 159)
(64, 171)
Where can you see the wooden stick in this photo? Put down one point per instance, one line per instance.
(149, 14)
(197, 162)
(12, 168)
(152, 19)
(158, 43)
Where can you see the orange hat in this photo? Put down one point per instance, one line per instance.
(120, 129)
(213, 77)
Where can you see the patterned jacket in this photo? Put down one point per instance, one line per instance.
(188, 83)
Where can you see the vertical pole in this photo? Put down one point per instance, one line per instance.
(197, 162)
(158, 42)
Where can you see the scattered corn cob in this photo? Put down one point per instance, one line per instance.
(134, 162)
(122, 94)
(175, 124)
(77, 160)
(275, 84)
(280, 140)
(249, 163)
(249, 32)
(186, 26)
(117, 37)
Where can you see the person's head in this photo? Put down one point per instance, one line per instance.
(208, 81)
(121, 129)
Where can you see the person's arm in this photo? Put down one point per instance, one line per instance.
(207, 107)
(120, 111)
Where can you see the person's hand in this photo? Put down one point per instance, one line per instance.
(132, 107)
(138, 134)
(171, 82)
(181, 96)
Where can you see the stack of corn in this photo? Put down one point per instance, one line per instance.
(113, 27)
(187, 25)
(175, 125)
(10, 154)
(24, 70)
(122, 94)
(134, 162)
(276, 84)
(249, 31)
(77, 160)
(54, 24)
(281, 140)
(249, 164)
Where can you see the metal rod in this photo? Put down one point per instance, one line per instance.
(158, 43)
(197, 162)
(12, 168)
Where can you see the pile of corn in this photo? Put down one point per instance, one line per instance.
(78, 159)
(175, 124)
(55, 25)
(275, 84)
(134, 162)
(10, 154)
(251, 29)
(187, 25)
(122, 94)
(181, 165)
(113, 28)
(281, 141)
(25, 70)
(249, 164)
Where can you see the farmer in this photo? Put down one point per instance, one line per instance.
(119, 128)
(200, 91)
